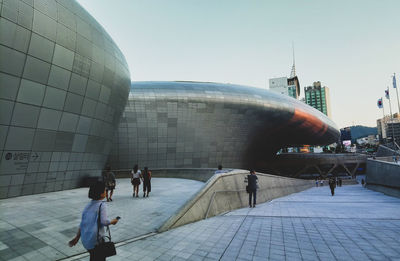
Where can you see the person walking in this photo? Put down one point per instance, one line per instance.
(135, 180)
(219, 170)
(332, 185)
(146, 178)
(94, 219)
(109, 181)
(252, 181)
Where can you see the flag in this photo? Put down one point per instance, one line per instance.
(394, 81)
(387, 94)
(380, 103)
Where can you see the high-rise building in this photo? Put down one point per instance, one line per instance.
(287, 86)
(389, 127)
(318, 97)
(393, 130)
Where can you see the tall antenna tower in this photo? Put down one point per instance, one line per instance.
(293, 72)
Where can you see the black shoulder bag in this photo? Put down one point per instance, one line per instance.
(103, 249)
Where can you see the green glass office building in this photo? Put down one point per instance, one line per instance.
(318, 97)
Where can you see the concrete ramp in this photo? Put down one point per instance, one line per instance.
(226, 192)
(38, 227)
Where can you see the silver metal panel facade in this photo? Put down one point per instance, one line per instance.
(201, 125)
(63, 86)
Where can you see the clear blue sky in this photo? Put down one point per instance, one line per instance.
(353, 47)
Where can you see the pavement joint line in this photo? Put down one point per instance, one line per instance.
(358, 218)
(234, 236)
(121, 243)
(330, 202)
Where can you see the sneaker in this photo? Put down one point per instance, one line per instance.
(254, 206)
(110, 199)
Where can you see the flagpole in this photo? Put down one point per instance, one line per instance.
(397, 93)
(391, 115)
(383, 119)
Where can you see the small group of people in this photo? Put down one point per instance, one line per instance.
(320, 183)
(137, 177)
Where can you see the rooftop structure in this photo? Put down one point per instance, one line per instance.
(286, 86)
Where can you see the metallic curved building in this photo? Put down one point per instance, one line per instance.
(201, 125)
(63, 86)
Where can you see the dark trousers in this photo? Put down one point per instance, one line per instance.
(97, 258)
(254, 194)
(146, 186)
(332, 190)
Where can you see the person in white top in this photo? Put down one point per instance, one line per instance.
(135, 180)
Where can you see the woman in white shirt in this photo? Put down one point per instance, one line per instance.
(135, 180)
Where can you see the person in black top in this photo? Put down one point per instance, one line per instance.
(332, 185)
(146, 177)
(252, 187)
(109, 180)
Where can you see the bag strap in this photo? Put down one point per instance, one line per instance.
(98, 226)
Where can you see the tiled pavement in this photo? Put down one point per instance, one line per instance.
(38, 227)
(355, 224)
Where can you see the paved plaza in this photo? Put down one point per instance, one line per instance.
(355, 224)
(38, 227)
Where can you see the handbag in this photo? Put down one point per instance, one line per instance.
(103, 248)
(247, 189)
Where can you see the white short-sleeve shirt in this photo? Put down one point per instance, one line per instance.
(136, 175)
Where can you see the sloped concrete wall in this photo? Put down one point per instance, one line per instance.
(225, 192)
(200, 174)
(383, 177)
